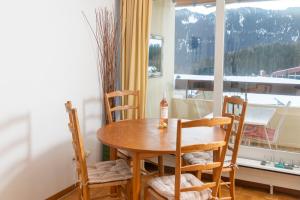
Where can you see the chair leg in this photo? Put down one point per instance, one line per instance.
(85, 193)
(161, 170)
(232, 184)
(146, 193)
(220, 191)
(129, 190)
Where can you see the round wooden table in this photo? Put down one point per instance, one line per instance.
(144, 139)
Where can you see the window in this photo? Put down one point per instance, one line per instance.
(261, 65)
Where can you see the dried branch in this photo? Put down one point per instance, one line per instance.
(106, 36)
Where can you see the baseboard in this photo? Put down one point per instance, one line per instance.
(63, 192)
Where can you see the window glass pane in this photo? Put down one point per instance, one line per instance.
(262, 65)
(155, 56)
(194, 51)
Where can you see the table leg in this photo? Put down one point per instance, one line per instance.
(216, 158)
(112, 153)
(161, 170)
(136, 179)
(113, 156)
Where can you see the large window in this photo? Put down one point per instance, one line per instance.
(261, 65)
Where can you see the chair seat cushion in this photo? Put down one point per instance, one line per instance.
(165, 186)
(198, 157)
(202, 158)
(108, 171)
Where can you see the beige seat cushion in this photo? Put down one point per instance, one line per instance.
(165, 186)
(107, 171)
(203, 158)
(198, 157)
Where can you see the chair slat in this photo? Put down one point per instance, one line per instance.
(217, 121)
(202, 147)
(236, 117)
(198, 188)
(200, 167)
(126, 107)
(234, 100)
(122, 93)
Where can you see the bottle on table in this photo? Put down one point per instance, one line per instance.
(163, 122)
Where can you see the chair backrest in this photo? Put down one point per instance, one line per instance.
(281, 122)
(236, 107)
(78, 147)
(126, 111)
(214, 165)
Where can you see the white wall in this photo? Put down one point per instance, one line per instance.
(47, 56)
(162, 24)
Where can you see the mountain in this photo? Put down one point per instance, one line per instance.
(246, 29)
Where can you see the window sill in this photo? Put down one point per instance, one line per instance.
(243, 162)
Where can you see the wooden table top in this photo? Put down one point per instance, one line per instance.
(144, 135)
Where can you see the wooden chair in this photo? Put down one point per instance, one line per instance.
(102, 174)
(126, 112)
(123, 109)
(235, 107)
(187, 186)
(265, 135)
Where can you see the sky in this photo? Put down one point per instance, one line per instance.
(270, 5)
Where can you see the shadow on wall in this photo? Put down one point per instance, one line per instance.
(93, 117)
(26, 176)
(15, 143)
(22, 176)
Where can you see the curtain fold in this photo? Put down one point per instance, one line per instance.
(135, 25)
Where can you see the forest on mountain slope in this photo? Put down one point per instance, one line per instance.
(255, 39)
